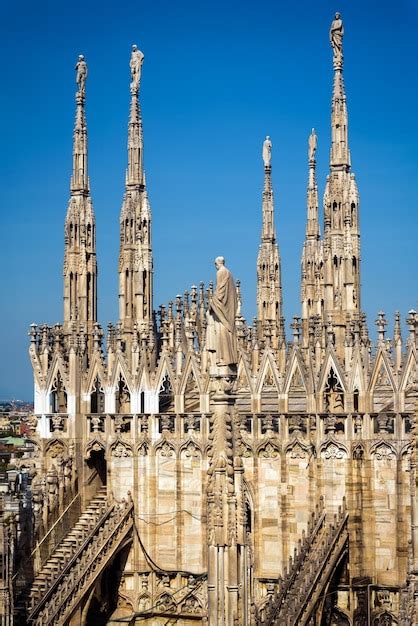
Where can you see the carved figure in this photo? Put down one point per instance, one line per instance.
(221, 336)
(267, 151)
(137, 58)
(313, 142)
(81, 76)
(336, 34)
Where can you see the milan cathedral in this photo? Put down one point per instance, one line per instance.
(188, 468)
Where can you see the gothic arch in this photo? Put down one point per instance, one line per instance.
(298, 449)
(191, 448)
(165, 448)
(382, 384)
(94, 446)
(268, 385)
(57, 367)
(95, 371)
(268, 450)
(243, 376)
(333, 449)
(296, 386)
(120, 448)
(383, 450)
(56, 447)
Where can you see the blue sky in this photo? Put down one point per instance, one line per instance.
(217, 78)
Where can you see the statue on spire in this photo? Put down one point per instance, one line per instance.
(81, 69)
(267, 151)
(137, 58)
(336, 34)
(313, 142)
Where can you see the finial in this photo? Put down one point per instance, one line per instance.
(312, 142)
(267, 151)
(81, 75)
(137, 59)
(336, 34)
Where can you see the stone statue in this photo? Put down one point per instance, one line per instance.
(137, 58)
(81, 69)
(267, 151)
(313, 142)
(221, 337)
(336, 38)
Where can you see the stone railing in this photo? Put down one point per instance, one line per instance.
(61, 559)
(80, 574)
(308, 572)
(56, 532)
(317, 426)
(136, 426)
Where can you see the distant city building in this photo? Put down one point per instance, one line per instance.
(189, 468)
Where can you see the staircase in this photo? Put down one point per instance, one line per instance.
(78, 560)
(309, 571)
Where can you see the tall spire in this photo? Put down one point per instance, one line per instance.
(269, 288)
(135, 259)
(80, 267)
(268, 234)
(312, 284)
(79, 178)
(341, 223)
(312, 225)
(340, 153)
(134, 172)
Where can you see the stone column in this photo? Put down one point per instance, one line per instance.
(223, 596)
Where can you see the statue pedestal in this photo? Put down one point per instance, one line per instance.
(223, 520)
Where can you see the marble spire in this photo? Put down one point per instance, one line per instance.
(269, 289)
(312, 225)
(340, 153)
(80, 267)
(135, 258)
(268, 234)
(134, 172)
(79, 178)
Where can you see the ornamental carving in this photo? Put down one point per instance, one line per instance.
(268, 451)
(166, 450)
(332, 451)
(121, 451)
(383, 452)
(191, 451)
(297, 452)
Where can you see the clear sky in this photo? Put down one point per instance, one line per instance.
(218, 76)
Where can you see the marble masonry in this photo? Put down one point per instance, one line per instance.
(191, 469)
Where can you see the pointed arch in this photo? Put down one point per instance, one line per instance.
(296, 386)
(383, 451)
(120, 448)
(382, 384)
(268, 385)
(190, 385)
(333, 449)
(166, 385)
(96, 370)
(409, 382)
(299, 449)
(243, 376)
(94, 446)
(331, 362)
(58, 394)
(268, 450)
(332, 385)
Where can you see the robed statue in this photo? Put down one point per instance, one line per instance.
(221, 339)
(336, 34)
(81, 75)
(267, 151)
(137, 59)
(313, 142)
